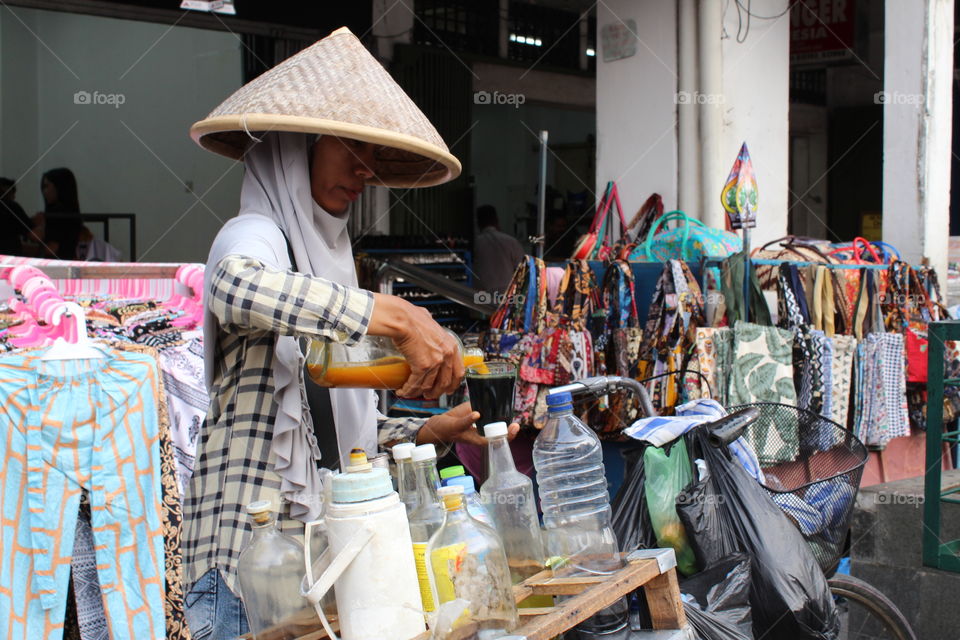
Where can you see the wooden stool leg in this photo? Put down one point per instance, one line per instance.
(663, 598)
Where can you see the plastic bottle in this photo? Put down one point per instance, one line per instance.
(426, 518)
(406, 479)
(372, 561)
(471, 498)
(575, 503)
(508, 497)
(451, 472)
(270, 569)
(467, 563)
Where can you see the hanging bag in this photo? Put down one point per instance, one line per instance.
(617, 348)
(516, 330)
(595, 245)
(690, 241)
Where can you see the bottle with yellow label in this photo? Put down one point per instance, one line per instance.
(426, 518)
(468, 563)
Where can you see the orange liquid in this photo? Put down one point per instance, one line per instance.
(386, 373)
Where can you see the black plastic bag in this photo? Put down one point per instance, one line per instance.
(709, 626)
(722, 597)
(631, 518)
(698, 506)
(789, 594)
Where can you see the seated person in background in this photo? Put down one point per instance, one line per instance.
(495, 254)
(14, 222)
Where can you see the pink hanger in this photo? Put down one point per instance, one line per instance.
(21, 273)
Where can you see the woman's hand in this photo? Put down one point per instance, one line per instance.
(436, 365)
(457, 425)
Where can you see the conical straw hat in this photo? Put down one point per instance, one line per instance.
(334, 87)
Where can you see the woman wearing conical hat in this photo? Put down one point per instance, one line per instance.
(312, 132)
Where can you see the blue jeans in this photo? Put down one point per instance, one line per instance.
(212, 611)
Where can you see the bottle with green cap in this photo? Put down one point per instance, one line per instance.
(467, 562)
(269, 570)
(426, 518)
(406, 478)
(507, 495)
(455, 471)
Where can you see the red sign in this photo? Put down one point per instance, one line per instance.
(822, 29)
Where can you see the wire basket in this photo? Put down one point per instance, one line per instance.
(812, 468)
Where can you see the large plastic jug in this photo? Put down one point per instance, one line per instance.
(371, 557)
(576, 506)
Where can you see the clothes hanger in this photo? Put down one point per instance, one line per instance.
(83, 348)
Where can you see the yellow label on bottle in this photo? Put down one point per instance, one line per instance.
(423, 576)
(447, 562)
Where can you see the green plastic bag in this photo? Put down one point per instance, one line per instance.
(667, 475)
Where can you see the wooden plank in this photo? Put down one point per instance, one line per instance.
(535, 611)
(522, 591)
(564, 586)
(583, 606)
(662, 594)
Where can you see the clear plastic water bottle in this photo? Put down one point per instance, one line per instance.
(426, 518)
(406, 476)
(508, 496)
(575, 503)
(471, 498)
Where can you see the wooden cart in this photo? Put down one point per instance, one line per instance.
(651, 570)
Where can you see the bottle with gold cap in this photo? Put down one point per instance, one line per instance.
(468, 563)
(269, 570)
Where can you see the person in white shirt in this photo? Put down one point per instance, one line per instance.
(495, 255)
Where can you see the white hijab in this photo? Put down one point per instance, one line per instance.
(276, 185)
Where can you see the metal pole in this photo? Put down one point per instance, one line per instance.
(746, 274)
(542, 206)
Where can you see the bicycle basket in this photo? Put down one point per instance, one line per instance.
(812, 468)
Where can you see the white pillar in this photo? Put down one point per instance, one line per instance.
(688, 131)
(917, 128)
(710, 102)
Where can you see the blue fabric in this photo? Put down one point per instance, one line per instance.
(213, 612)
(659, 430)
(66, 426)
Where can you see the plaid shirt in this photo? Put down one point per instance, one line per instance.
(253, 303)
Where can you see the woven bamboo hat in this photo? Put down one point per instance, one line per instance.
(334, 87)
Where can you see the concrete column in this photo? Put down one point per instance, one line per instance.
(709, 101)
(917, 128)
(688, 131)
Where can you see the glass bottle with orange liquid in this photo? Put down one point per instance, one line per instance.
(374, 362)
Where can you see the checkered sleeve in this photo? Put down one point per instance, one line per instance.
(391, 431)
(247, 297)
